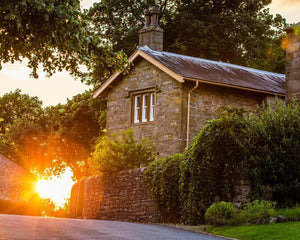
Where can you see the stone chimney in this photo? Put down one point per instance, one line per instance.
(293, 63)
(151, 34)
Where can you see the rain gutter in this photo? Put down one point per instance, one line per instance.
(188, 115)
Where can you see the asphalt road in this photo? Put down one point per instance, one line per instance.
(26, 227)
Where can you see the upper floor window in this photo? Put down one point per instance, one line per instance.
(143, 105)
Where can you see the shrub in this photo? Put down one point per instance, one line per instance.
(275, 153)
(162, 178)
(220, 213)
(214, 160)
(256, 212)
(237, 145)
(289, 213)
(115, 154)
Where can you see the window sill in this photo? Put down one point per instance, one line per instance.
(143, 123)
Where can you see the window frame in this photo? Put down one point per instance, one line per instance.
(143, 112)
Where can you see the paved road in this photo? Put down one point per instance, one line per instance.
(13, 227)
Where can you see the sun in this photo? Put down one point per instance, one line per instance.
(57, 189)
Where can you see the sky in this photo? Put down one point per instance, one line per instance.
(61, 86)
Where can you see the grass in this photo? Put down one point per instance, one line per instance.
(290, 213)
(278, 231)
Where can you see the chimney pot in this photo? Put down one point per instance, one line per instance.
(154, 16)
(151, 34)
(147, 17)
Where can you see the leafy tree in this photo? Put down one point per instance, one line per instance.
(82, 118)
(15, 106)
(52, 33)
(240, 32)
(48, 140)
(76, 125)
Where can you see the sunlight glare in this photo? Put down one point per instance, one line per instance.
(58, 189)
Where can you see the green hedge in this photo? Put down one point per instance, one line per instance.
(264, 147)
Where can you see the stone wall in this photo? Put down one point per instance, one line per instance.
(123, 197)
(207, 100)
(166, 129)
(293, 63)
(170, 116)
(113, 198)
(17, 189)
(15, 181)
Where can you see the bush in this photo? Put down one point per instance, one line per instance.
(237, 145)
(220, 213)
(114, 154)
(275, 153)
(162, 178)
(256, 212)
(289, 213)
(214, 160)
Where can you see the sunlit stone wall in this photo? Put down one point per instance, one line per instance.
(120, 197)
(16, 188)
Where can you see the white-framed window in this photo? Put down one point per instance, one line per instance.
(137, 108)
(143, 106)
(151, 111)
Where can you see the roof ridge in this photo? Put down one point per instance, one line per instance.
(146, 48)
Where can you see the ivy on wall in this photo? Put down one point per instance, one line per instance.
(263, 147)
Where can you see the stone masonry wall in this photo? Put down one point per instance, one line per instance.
(15, 182)
(293, 64)
(114, 198)
(165, 130)
(170, 117)
(123, 197)
(207, 100)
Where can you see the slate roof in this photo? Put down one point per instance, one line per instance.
(184, 68)
(192, 68)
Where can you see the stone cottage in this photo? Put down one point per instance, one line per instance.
(167, 97)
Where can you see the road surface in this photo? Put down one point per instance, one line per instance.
(26, 227)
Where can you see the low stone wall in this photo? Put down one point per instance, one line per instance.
(123, 197)
(120, 197)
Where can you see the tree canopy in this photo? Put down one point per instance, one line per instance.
(53, 34)
(239, 32)
(45, 141)
(58, 35)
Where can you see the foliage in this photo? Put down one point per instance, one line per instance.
(162, 177)
(115, 154)
(275, 152)
(24, 120)
(15, 106)
(286, 231)
(52, 33)
(49, 209)
(289, 213)
(213, 162)
(220, 213)
(256, 212)
(238, 145)
(48, 140)
(225, 31)
(55, 35)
